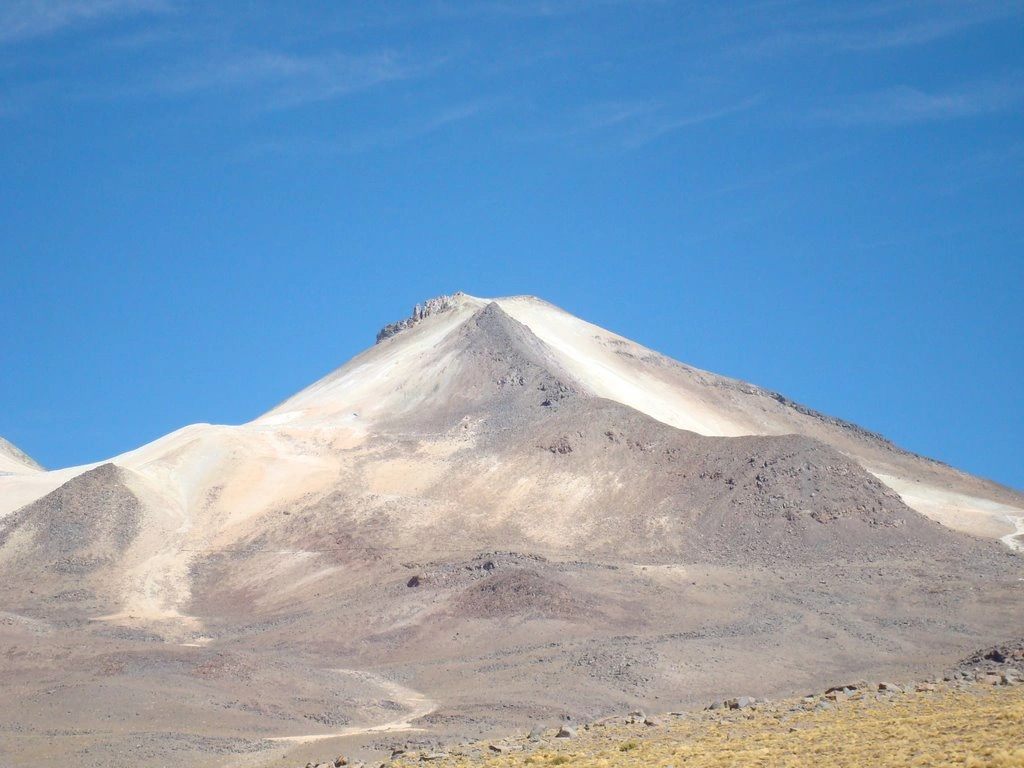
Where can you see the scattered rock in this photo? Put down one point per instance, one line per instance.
(741, 702)
(537, 732)
(430, 307)
(566, 732)
(844, 689)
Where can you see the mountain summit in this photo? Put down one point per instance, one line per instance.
(498, 513)
(429, 369)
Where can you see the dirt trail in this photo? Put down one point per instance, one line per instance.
(417, 704)
(1015, 540)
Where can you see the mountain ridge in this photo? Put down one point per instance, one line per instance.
(13, 459)
(499, 509)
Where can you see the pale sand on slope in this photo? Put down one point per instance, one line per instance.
(418, 704)
(379, 382)
(587, 352)
(15, 461)
(969, 514)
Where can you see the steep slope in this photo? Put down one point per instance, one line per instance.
(67, 543)
(414, 361)
(709, 404)
(15, 461)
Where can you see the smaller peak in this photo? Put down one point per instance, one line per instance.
(434, 306)
(14, 453)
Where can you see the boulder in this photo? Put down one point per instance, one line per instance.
(741, 702)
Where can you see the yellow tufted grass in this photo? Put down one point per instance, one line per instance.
(970, 727)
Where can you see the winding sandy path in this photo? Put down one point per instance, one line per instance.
(417, 704)
(1015, 540)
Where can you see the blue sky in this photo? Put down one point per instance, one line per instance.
(207, 206)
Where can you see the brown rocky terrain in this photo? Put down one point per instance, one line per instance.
(497, 515)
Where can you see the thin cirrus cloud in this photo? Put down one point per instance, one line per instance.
(627, 126)
(30, 19)
(921, 32)
(868, 27)
(283, 80)
(407, 130)
(658, 125)
(903, 105)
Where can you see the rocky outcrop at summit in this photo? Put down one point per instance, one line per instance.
(433, 306)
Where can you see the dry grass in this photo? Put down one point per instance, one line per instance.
(974, 727)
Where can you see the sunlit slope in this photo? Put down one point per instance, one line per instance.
(15, 461)
(447, 367)
(616, 368)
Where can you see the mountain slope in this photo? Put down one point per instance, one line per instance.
(15, 461)
(498, 513)
(413, 366)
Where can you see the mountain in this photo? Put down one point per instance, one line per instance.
(15, 461)
(498, 513)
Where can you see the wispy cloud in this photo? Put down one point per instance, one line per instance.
(942, 21)
(25, 19)
(424, 125)
(983, 169)
(283, 80)
(866, 26)
(547, 8)
(631, 125)
(407, 130)
(664, 123)
(904, 105)
(772, 177)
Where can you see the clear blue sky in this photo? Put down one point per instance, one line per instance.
(204, 207)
